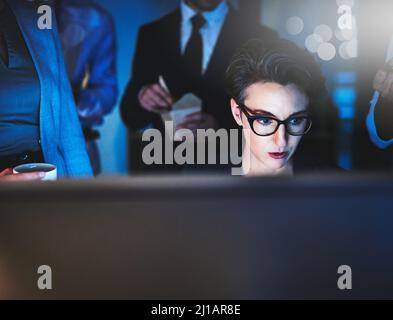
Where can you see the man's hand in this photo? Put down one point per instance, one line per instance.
(383, 81)
(8, 175)
(154, 98)
(198, 120)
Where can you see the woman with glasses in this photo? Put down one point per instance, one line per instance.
(272, 88)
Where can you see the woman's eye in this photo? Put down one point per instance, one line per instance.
(265, 121)
(295, 121)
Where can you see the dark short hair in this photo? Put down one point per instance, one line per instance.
(280, 62)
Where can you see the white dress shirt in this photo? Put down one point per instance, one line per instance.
(210, 31)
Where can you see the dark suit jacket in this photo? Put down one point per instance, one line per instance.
(158, 53)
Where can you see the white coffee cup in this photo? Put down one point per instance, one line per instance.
(50, 170)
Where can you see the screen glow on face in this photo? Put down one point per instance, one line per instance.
(264, 123)
(277, 116)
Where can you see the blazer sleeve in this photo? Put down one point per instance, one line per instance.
(99, 98)
(380, 117)
(71, 142)
(145, 71)
(381, 141)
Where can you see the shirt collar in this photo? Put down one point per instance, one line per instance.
(212, 17)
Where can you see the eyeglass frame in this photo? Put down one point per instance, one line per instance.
(252, 118)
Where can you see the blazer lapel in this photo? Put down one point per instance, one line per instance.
(43, 53)
(220, 52)
(172, 35)
(172, 59)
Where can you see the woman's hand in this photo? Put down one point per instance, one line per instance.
(8, 175)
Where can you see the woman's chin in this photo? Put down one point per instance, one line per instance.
(276, 164)
(267, 163)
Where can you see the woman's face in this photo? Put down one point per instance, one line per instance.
(271, 153)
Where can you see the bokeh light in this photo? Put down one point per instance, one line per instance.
(326, 51)
(294, 25)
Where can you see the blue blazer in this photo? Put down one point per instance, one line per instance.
(61, 135)
(97, 51)
(372, 127)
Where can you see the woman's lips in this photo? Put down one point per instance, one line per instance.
(278, 155)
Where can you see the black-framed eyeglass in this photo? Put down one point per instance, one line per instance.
(264, 126)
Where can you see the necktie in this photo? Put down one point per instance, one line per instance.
(194, 51)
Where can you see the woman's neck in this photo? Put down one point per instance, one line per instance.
(254, 167)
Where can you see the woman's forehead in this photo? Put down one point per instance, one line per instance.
(277, 99)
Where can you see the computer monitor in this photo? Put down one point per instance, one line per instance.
(198, 238)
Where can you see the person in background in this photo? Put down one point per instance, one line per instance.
(87, 33)
(272, 90)
(380, 118)
(38, 118)
(370, 139)
(189, 49)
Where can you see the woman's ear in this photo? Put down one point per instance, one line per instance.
(236, 112)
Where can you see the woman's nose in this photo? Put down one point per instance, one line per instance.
(280, 137)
